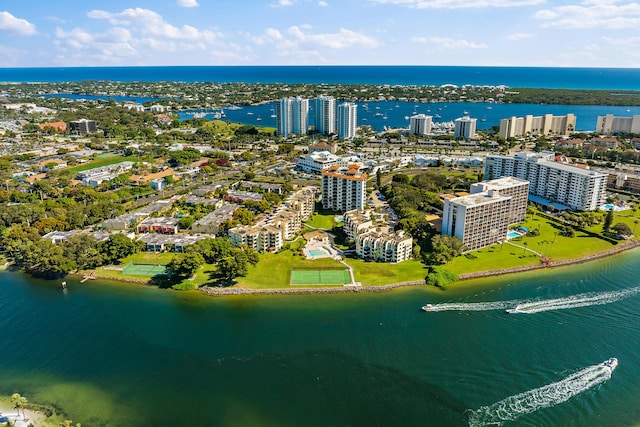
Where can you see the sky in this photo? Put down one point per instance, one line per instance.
(567, 33)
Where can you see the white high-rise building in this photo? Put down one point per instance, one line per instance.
(420, 124)
(614, 124)
(347, 120)
(343, 188)
(574, 187)
(548, 124)
(325, 114)
(465, 127)
(292, 116)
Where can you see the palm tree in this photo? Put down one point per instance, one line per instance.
(18, 402)
(525, 248)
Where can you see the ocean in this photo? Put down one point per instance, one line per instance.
(117, 354)
(532, 77)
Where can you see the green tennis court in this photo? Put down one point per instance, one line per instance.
(320, 277)
(144, 270)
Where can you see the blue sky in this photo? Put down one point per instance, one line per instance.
(588, 33)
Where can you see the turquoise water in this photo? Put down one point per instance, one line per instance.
(121, 355)
(318, 252)
(513, 234)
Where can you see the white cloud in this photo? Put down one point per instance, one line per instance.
(323, 3)
(136, 35)
(282, 3)
(633, 42)
(459, 4)
(11, 24)
(520, 36)
(445, 43)
(187, 3)
(148, 22)
(342, 39)
(607, 14)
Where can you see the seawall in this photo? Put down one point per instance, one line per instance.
(623, 246)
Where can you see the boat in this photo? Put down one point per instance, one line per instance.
(249, 113)
(437, 116)
(427, 307)
(465, 113)
(611, 363)
(489, 108)
(406, 117)
(64, 285)
(512, 310)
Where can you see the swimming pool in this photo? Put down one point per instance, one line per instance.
(608, 207)
(318, 252)
(513, 234)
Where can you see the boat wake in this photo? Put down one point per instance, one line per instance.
(550, 395)
(471, 306)
(575, 301)
(531, 307)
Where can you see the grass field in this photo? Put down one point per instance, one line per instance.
(381, 273)
(274, 270)
(320, 277)
(144, 270)
(101, 163)
(518, 253)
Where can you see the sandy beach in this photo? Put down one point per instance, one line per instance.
(7, 413)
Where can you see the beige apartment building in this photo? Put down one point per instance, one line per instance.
(343, 188)
(483, 217)
(548, 124)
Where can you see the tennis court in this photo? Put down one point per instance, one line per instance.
(320, 277)
(144, 269)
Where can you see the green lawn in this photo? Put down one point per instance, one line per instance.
(101, 163)
(273, 269)
(513, 254)
(321, 220)
(380, 273)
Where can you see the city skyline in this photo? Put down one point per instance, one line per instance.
(594, 33)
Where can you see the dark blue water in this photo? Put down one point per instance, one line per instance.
(397, 113)
(538, 77)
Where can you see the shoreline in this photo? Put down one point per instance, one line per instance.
(229, 291)
(213, 291)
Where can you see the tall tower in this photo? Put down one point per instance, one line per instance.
(292, 116)
(465, 127)
(347, 120)
(325, 114)
(420, 124)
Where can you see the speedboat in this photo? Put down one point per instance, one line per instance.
(610, 363)
(427, 307)
(512, 310)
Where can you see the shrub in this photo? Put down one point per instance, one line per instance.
(440, 276)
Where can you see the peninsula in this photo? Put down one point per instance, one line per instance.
(170, 191)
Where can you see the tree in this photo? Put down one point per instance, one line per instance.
(608, 220)
(185, 265)
(622, 229)
(229, 268)
(83, 249)
(19, 402)
(118, 246)
(378, 179)
(567, 231)
(440, 276)
(445, 248)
